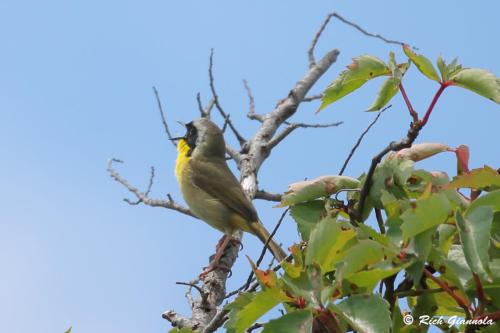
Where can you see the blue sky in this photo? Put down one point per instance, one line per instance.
(75, 90)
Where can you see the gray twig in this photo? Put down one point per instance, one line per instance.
(224, 115)
(310, 52)
(261, 194)
(200, 105)
(312, 98)
(356, 145)
(217, 321)
(141, 196)
(366, 33)
(203, 294)
(291, 127)
(251, 104)
(150, 186)
(163, 118)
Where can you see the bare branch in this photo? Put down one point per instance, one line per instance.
(179, 321)
(366, 33)
(200, 105)
(205, 111)
(310, 51)
(224, 126)
(224, 115)
(141, 196)
(356, 145)
(251, 104)
(163, 118)
(233, 154)
(312, 98)
(151, 178)
(217, 321)
(203, 294)
(281, 136)
(205, 312)
(303, 125)
(380, 220)
(261, 194)
(291, 127)
(258, 147)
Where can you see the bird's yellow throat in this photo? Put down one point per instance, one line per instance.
(182, 158)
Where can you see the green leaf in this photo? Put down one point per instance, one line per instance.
(390, 86)
(474, 230)
(249, 307)
(307, 215)
(326, 242)
(442, 67)
(448, 70)
(481, 178)
(491, 200)
(68, 330)
(294, 268)
(446, 234)
(295, 322)
(447, 306)
(369, 278)
(365, 313)
(458, 265)
(387, 91)
(366, 231)
(427, 213)
(422, 243)
(391, 175)
(423, 64)
(317, 188)
(480, 81)
(362, 69)
(364, 254)
(426, 305)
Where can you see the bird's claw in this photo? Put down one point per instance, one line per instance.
(212, 267)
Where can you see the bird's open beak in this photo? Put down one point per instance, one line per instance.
(177, 138)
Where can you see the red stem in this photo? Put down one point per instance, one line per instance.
(413, 113)
(443, 86)
(495, 316)
(463, 303)
(480, 294)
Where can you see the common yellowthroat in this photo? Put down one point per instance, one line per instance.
(211, 190)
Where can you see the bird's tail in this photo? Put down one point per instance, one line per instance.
(261, 232)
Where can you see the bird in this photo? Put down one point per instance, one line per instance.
(212, 192)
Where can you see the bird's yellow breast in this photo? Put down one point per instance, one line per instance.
(182, 159)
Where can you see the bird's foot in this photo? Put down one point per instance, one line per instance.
(212, 267)
(233, 241)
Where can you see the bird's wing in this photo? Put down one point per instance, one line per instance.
(216, 179)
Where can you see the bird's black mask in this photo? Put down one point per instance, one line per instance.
(191, 137)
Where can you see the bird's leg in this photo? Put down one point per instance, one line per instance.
(220, 242)
(215, 263)
(233, 241)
